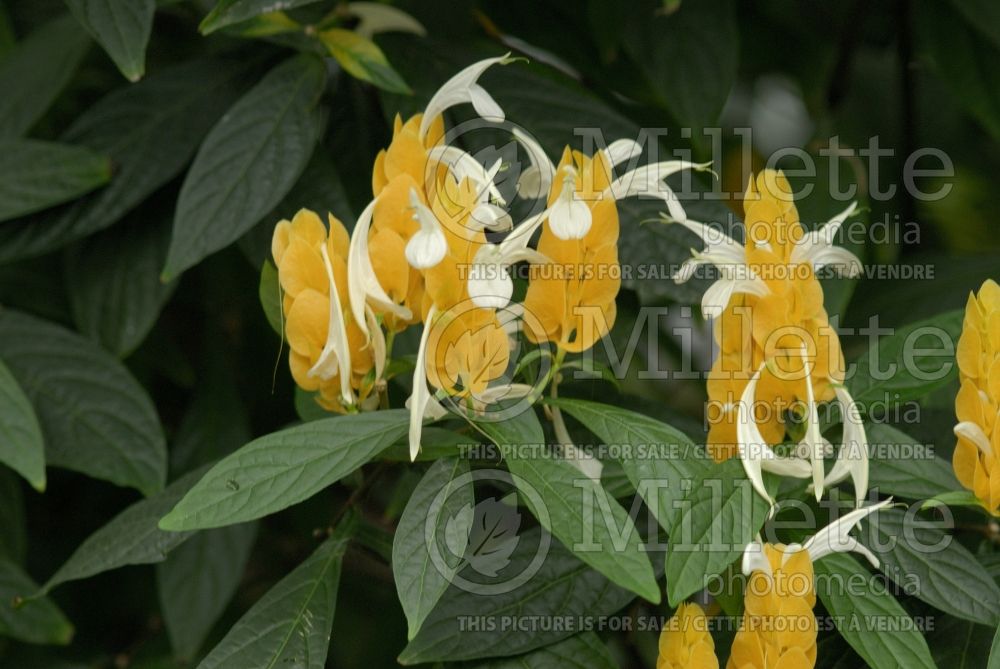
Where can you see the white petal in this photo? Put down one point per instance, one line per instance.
(490, 286)
(754, 559)
(536, 180)
(428, 246)
(376, 17)
(336, 353)
(377, 342)
(750, 442)
(621, 150)
(569, 218)
(490, 217)
(835, 537)
(462, 88)
(590, 466)
(975, 434)
(421, 400)
(362, 282)
(648, 180)
(463, 165)
(813, 440)
(853, 459)
(506, 391)
(521, 235)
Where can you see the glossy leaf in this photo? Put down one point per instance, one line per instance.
(902, 467)
(363, 59)
(228, 12)
(121, 27)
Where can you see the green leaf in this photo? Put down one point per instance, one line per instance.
(269, 291)
(959, 644)
(115, 292)
(132, 537)
(983, 14)
(122, 27)
(290, 626)
(962, 57)
(873, 622)
(436, 507)
(228, 12)
(33, 621)
(562, 588)
(914, 473)
(720, 516)
(198, 579)
(249, 160)
(36, 175)
(583, 651)
(36, 70)
(656, 453)
(13, 533)
(95, 417)
(994, 661)
(363, 59)
(574, 508)
(281, 469)
(689, 57)
(150, 130)
(909, 363)
(21, 445)
(932, 566)
(953, 498)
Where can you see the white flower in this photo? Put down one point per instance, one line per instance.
(535, 180)
(817, 249)
(362, 282)
(649, 180)
(375, 17)
(621, 150)
(974, 433)
(336, 354)
(569, 217)
(588, 465)
(464, 165)
(421, 402)
(428, 245)
(462, 88)
(834, 538)
(489, 282)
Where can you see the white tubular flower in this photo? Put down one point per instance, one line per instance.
(812, 440)
(463, 88)
(535, 181)
(428, 245)
(853, 459)
(421, 402)
(336, 354)
(463, 165)
(974, 433)
(569, 216)
(755, 453)
(375, 17)
(620, 150)
(491, 217)
(377, 342)
(817, 249)
(650, 180)
(754, 558)
(588, 465)
(835, 537)
(489, 282)
(362, 282)
(729, 257)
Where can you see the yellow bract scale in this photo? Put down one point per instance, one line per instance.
(977, 454)
(685, 642)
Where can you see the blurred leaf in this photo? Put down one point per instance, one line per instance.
(248, 162)
(963, 58)
(583, 651)
(983, 14)
(421, 577)
(13, 534)
(36, 175)
(871, 621)
(722, 515)
(994, 660)
(114, 282)
(291, 625)
(657, 452)
(34, 621)
(21, 445)
(945, 574)
(150, 130)
(95, 417)
(959, 644)
(198, 579)
(690, 56)
(363, 59)
(281, 469)
(562, 588)
(913, 474)
(553, 487)
(909, 363)
(228, 12)
(131, 537)
(36, 70)
(122, 27)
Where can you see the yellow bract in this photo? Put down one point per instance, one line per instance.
(685, 642)
(977, 453)
(773, 327)
(778, 629)
(572, 299)
(296, 248)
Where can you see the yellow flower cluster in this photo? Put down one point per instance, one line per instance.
(977, 406)
(685, 642)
